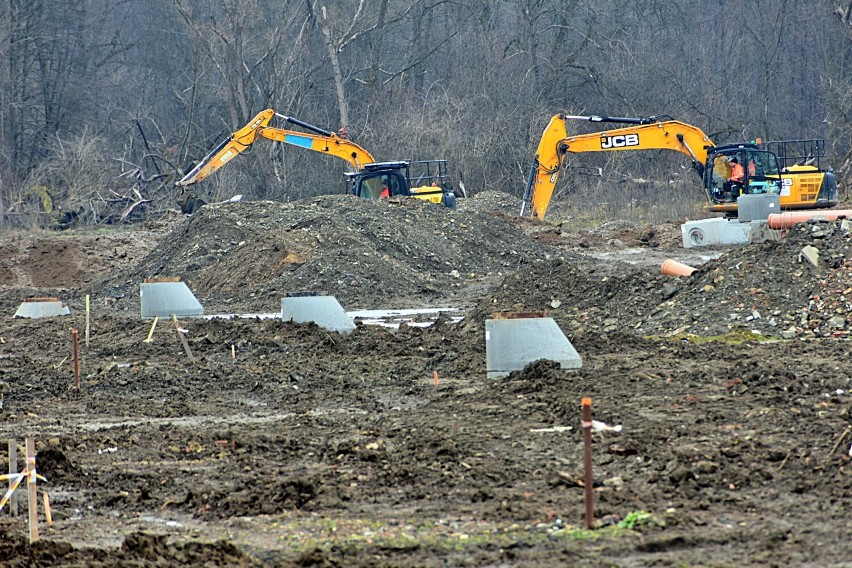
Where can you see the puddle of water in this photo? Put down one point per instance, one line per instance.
(160, 521)
(646, 257)
(184, 421)
(194, 421)
(384, 318)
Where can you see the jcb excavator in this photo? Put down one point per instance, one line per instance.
(799, 183)
(370, 179)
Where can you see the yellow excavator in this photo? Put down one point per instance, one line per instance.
(429, 181)
(797, 177)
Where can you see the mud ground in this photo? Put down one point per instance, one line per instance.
(287, 445)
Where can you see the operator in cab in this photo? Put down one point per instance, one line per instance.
(734, 184)
(386, 191)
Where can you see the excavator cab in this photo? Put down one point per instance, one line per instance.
(739, 169)
(389, 179)
(375, 185)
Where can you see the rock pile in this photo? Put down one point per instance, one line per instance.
(771, 288)
(388, 254)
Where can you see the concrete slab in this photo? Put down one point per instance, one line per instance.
(164, 298)
(718, 231)
(811, 254)
(760, 232)
(41, 308)
(325, 311)
(713, 232)
(512, 344)
(757, 207)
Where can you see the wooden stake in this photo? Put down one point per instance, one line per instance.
(840, 440)
(76, 352)
(183, 339)
(32, 495)
(233, 352)
(47, 514)
(435, 374)
(88, 320)
(587, 458)
(13, 468)
(151, 333)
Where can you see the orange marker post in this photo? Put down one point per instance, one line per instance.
(435, 374)
(587, 458)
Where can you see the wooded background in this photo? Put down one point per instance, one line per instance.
(103, 103)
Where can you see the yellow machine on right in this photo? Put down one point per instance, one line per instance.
(788, 168)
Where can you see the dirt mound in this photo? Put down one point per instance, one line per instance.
(299, 446)
(67, 264)
(74, 259)
(243, 257)
(138, 549)
(54, 465)
(491, 201)
(769, 287)
(395, 253)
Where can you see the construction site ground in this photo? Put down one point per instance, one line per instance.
(726, 395)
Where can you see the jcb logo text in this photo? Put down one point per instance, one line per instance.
(619, 141)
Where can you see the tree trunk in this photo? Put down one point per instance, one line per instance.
(331, 48)
(376, 53)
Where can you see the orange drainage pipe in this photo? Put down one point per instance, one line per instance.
(789, 218)
(674, 268)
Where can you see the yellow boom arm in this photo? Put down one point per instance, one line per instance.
(318, 140)
(555, 145)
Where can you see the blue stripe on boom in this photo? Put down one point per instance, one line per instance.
(302, 141)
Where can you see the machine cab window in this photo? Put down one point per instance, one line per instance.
(380, 184)
(762, 174)
(740, 171)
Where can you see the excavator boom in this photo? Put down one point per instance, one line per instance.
(645, 134)
(317, 139)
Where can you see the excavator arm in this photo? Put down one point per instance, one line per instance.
(317, 139)
(645, 134)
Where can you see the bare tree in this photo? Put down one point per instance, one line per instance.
(235, 44)
(843, 9)
(335, 43)
(158, 83)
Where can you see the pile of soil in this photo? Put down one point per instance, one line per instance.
(390, 254)
(769, 288)
(280, 444)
